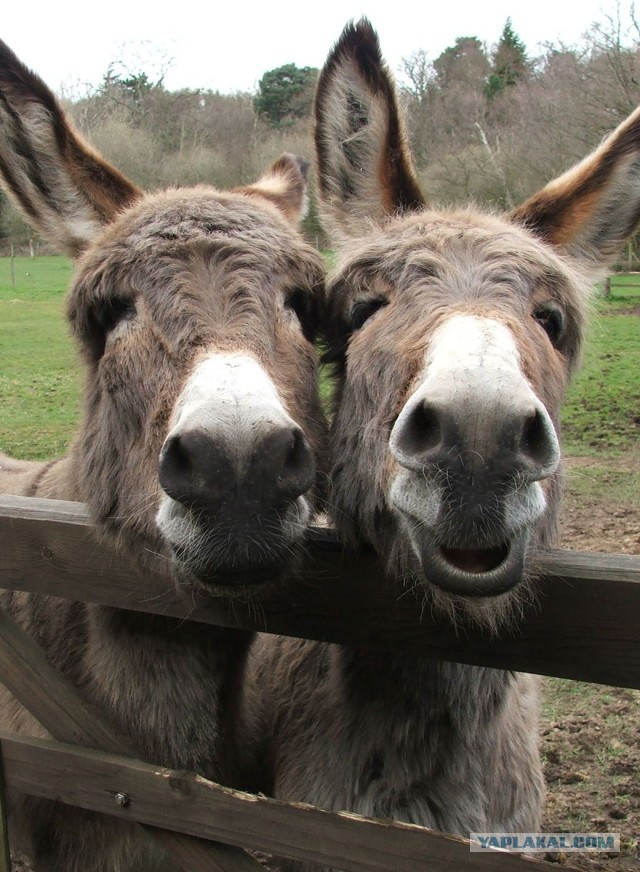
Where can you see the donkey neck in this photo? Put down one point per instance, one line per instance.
(407, 688)
(171, 685)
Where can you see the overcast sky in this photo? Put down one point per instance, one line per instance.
(227, 45)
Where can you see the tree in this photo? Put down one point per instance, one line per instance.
(13, 227)
(509, 62)
(285, 93)
(137, 85)
(418, 73)
(445, 99)
(465, 62)
(130, 90)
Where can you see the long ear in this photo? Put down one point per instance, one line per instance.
(285, 185)
(365, 172)
(592, 210)
(66, 190)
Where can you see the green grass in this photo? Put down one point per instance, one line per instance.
(602, 413)
(40, 375)
(620, 484)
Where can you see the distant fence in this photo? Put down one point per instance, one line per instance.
(32, 247)
(622, 284)
(583, 626)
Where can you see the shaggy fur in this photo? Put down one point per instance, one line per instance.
(468, 460)
(161, 283)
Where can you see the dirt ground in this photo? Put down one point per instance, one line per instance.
(590, 734)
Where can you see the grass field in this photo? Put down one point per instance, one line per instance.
(603, 408)
(40, 376)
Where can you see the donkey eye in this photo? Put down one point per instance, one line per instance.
(364, 309)
(551, 319)
(104, 318)
(301, 303)
(112, 311)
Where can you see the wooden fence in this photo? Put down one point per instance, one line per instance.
(631, 283)
(583, 625)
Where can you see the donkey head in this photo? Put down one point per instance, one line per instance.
(196, 312)
(454, 334)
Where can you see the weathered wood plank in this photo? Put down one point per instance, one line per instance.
(38, 509)
(56, 704)
(5, 859)
(190, 804)
(47, 694)
(584, 624)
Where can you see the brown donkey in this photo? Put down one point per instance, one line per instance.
(195, 313)
(454, 334)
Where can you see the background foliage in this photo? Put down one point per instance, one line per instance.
(488, 123)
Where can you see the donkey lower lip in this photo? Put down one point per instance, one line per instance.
(225, 578)
(474, 572)
(239, 579)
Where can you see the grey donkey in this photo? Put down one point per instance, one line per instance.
(454, 334)
(199, 448)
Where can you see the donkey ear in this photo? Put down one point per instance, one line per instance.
(285, 185)
(66, 190)
(591, 210)
(365, 172)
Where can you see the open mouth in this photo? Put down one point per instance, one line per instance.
(474, 572)
(475, 560)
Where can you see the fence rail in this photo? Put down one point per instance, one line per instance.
(192, 805)
(631, 282)
(583, 624)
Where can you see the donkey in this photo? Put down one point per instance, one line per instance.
(454, 334)
(199, 450)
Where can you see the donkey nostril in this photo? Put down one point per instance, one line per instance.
(176, 466)
(177, 454)
(298, 467)
(297, 453)
(421, 431)
(537, 441)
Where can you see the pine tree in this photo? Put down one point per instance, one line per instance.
(510, 64)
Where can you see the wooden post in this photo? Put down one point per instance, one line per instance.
(5, 859)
